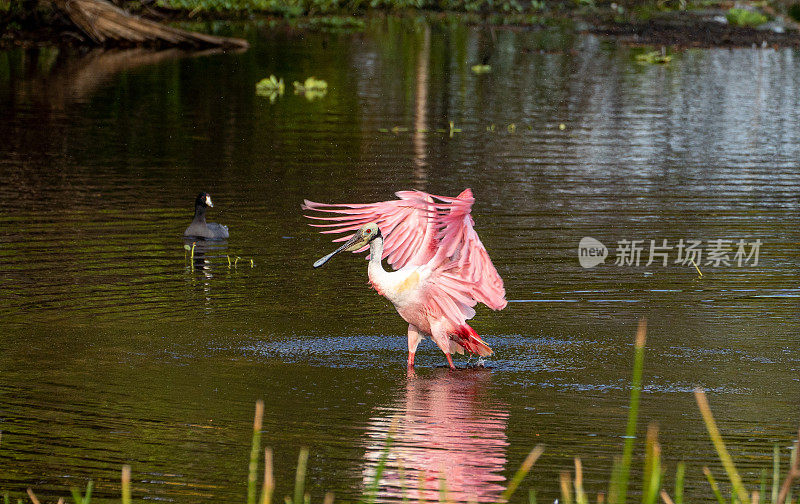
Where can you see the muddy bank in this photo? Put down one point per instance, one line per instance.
(697, 29)
(690, 28)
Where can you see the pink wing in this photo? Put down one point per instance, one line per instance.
(419, 230)
(449, 295)
(407, 225)
(459, 242)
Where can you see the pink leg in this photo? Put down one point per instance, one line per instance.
(414, 337)
(439, 336)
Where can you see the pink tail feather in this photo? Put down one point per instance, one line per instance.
(471, 341)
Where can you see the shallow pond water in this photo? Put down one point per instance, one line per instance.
(118, 349)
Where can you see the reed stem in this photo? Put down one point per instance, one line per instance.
(300, 477)
(255, 449)
(719, 445)
(633, 414)
(523, 470)
(125, 480)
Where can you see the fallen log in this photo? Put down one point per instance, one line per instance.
(107, 24)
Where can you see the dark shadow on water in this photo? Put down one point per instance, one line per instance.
(444, 428)
(57, 78)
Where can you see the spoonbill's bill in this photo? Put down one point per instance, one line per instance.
(441, 268)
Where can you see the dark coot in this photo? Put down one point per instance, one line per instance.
(199, 228)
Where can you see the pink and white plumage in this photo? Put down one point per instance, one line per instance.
(441, 268)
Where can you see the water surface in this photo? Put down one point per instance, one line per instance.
(118, 349)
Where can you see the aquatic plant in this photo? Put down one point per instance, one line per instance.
(745, 17)
(453, 130)
(76, 493)
(271, 88)
(187, 250)
(312, 88)
(235, 262)
(654, 57)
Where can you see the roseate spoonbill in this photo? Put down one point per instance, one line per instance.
(199, 228)
(441, 271)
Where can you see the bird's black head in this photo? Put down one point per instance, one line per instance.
(203, 200)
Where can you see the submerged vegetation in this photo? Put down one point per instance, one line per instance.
(652, 488)
(745, 17)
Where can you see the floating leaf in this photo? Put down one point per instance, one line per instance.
(481, 69)
(653, 57)
(271, 88)
(312, 88)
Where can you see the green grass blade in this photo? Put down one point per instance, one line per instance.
(35, 500)
(762, 487)
(300, 477)
(680, 472)
(566, 491)
(372, 494)
(531, 496)
(776, 472)
(714, 486)
(719, 445)
(649, 459)
(403, 488)
(255, 450)
(88, 496)
(442, 488)
(76, 495)
(268, 487)
(792, 464)
(523, 470)
(614, 482)
(633, 414)
(580, 494)
(126, 484)
(652, 476)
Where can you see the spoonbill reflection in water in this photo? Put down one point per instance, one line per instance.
(443, 429)
(441, 271)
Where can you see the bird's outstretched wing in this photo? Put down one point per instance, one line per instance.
(421, 228)
(407, 225)
(458, 242)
